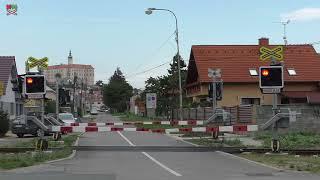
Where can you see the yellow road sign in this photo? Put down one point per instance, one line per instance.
(1, 88)
(41, 63)
(276, 53)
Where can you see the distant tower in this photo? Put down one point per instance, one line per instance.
(70, 59)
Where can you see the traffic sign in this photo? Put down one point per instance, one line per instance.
(271, 77)
(216, 73)
(35, 96)
(271, 91)
(35, 84)
(1, 88)
(41, 63)
(151, 100)
(275, 53)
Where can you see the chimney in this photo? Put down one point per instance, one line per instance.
(264, 41)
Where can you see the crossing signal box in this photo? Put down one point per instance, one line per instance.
(34, 84)
(219, 89)
(271, 77)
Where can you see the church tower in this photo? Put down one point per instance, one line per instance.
(70, 59)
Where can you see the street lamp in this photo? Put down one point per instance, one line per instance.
(149, 11)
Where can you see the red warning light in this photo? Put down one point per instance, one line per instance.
(265, 72)
(29, 80)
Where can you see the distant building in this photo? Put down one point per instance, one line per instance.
(85, 73)
(95, 97)
(240, 64)
(10, 101)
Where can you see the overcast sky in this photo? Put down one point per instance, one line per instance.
(112, 33)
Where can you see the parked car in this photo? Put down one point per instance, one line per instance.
(21, 128)
(94, 111)
(67, 118)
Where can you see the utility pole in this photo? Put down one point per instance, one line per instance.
(74, 95)
(58, 76)
(81, 106)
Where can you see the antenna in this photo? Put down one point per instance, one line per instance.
(284, 23)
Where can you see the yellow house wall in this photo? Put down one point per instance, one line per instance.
(232, 93)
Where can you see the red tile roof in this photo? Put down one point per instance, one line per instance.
(6, 65)
(62, 66)
(236, 60)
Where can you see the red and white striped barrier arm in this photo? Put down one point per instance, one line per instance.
(190, 122)
(234, 128)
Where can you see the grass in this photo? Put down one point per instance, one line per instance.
(11, 161)
(216, 142)
(290, 162)
(292, 140)
(128, 117)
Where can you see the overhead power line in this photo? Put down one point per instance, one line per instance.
(142, 72)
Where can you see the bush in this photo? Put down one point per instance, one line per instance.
(4, 123)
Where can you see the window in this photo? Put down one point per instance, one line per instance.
(11, 108)
(292, 72)
(248, 101)
(253, 72)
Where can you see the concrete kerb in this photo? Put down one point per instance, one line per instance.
(76, 143)
(47, 162)
(228, 154)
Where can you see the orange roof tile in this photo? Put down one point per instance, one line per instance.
(236, 60)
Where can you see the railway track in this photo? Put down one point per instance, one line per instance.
(233, 150)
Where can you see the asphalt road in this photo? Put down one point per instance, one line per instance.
(98, 165)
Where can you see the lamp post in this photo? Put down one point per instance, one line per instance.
(149, 12)
(58, 77)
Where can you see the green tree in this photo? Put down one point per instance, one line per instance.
(50, 107)
(117, 93)
(4, 123)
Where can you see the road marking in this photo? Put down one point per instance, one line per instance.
(125, 138)
(162, 165)
(244, 159)
(150, 157)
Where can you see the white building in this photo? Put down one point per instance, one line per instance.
(85, 73)
(10, 101)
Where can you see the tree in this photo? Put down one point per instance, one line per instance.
(99, 83)
(50, 107)
(117, 92)
(4, 123)
(167, 87)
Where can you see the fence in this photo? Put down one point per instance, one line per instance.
(239, 114)
(309, 120)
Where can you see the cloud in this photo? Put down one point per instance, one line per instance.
(305, 14)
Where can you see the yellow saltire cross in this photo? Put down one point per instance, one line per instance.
(40, 63)
(276, 53)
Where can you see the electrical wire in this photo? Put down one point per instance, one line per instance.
(155, 52)
(142, 72)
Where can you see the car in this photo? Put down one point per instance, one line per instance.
(28, 126)
(67, 118)
(94, 111)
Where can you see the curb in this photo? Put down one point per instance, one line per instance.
(72, 155)
(231, 155)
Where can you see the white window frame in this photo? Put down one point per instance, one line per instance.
(292, 72)
(253, 72)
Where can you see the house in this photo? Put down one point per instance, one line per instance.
(10, 101)
(240, 65)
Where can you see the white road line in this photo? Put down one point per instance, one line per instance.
(125, 138)
(160, 164)
(249, 161)
(150, 157)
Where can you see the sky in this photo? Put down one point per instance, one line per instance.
(117, 33)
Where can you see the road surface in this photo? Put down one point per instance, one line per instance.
(108, 165)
